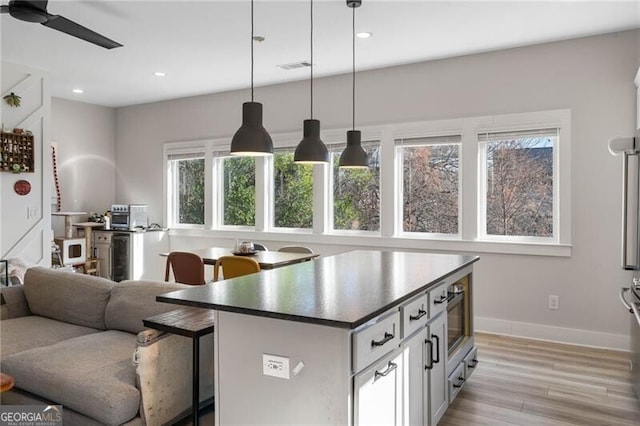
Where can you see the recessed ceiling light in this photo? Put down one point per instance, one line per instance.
(78, 91)
(364, 35)
(160, 74)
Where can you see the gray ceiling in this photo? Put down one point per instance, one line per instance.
(204, 46)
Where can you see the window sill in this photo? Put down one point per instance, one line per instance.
(359, 240)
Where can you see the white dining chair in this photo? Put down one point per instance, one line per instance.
(296, 249)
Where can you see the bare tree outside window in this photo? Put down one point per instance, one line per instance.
(519, 191)
(189, 190)
(430, 188)
(239, 185)
(293, 192)
(356, 193)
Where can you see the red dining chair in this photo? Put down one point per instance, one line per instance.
(188, 268)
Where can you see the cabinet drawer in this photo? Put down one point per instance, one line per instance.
(375, 341)
(456, 380)
(438, 299)
(414, 315)
(470, 362)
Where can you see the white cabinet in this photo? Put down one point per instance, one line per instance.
(378, 392)
(425, 378)
(412, 385)
(435, 382)
(414, 352)
(374, 341)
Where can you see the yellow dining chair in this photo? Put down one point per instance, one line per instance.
(188, 268)
(234, 266)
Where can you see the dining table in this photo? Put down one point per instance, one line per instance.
(266, 259)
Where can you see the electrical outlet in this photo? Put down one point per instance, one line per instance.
(276, 366)
(554, 302)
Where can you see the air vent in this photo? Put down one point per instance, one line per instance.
(301, 64)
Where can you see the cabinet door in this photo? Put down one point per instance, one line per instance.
(435, 369)
(413, 350)
(378, 392)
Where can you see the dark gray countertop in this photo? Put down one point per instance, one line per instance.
(345, 290)
(131, 231)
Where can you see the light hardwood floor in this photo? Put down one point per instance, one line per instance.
(528, 382)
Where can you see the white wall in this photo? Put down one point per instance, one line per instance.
(85, 139)
(27, 236)
(593, 77)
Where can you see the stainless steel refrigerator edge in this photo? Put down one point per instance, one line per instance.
(629, 148)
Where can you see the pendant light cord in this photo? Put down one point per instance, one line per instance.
(353, 74)
(311, 41)
(252, 41)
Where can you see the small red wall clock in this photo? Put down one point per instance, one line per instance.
(22, 187)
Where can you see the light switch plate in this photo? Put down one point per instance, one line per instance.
(275, 365)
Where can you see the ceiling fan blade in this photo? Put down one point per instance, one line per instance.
(63, 24)
(4, 9)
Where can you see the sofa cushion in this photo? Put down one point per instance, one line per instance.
(13, 303)
(133, 301)
(66, 296)
(24, 333)
(90, 374)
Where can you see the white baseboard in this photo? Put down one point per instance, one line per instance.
(594, 339)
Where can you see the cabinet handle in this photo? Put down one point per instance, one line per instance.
(387, 337)
(459, 383)
(430, 352)
(442, 299)
(421, 313)
(473, 363)
(390, 367)
(437, 339)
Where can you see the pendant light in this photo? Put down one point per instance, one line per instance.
(311, 149)
(252, 138)
(353, 155)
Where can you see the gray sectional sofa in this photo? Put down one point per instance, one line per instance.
(78, 341)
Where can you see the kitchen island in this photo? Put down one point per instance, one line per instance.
(333, 341)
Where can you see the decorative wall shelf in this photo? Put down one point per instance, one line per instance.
(16, 152)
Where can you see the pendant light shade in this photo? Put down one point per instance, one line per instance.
(311, 149)
(354, 156)
(251, 139)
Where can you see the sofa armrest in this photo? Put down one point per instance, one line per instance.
(164, 375)
(13, 303)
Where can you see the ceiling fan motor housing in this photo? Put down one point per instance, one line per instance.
(28, 11)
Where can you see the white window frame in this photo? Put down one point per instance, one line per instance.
(390, 235)
(219, 191)
(338, 139)
(288, 142)
(193, 150)
(399, 153)
(560, 119)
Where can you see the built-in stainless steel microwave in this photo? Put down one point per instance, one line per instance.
(129, 216)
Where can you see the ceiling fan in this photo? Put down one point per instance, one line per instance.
(36, 11)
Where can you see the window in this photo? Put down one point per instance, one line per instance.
(518, 182)
(186, 184)
(292, 191)
(238, 189)
(494, 184)
(356, 192)
(430, 182)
